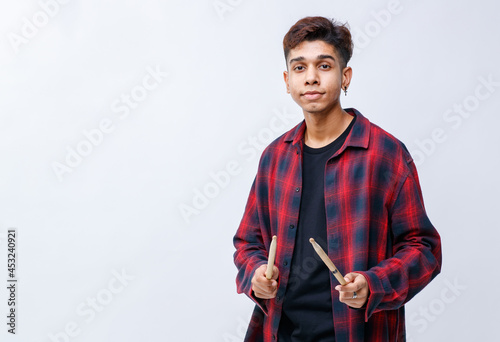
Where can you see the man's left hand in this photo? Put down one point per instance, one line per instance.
(355, 283)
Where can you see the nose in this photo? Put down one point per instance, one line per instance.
(312, 76)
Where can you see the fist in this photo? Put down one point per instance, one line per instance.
(355, 283)
(262, 287)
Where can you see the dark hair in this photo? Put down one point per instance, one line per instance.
(320, 28)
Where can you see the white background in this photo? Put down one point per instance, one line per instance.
(119, 209)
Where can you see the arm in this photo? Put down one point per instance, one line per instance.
(416, 247)
(251, 254)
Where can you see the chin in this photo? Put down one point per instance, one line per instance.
(313, 108)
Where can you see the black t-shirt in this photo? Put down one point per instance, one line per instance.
(307, 307)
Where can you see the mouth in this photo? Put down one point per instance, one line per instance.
(312, 95)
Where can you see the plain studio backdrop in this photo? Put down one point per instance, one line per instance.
(130, 133)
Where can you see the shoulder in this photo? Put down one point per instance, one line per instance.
(389, 155)
(283, 146)
(386, 144)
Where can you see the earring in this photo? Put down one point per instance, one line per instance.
(345, 90)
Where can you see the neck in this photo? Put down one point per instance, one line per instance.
(324, 128)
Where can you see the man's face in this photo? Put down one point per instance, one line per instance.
(314, 77)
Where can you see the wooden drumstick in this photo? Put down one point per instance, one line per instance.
(270, 261)
(327, 261)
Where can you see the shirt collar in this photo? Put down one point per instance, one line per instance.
(359, 135)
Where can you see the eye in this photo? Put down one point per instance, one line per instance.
(325, 66)
(297, 68)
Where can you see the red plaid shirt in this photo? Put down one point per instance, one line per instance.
(376, 226)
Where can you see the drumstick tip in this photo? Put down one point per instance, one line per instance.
(311, 240)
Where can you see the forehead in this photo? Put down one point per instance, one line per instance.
(309, 50)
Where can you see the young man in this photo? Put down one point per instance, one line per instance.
(350, 185)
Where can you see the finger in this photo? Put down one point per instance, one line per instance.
(345, 296)
(351, 287)
(349, 277)
(265, 294)
(261, 271)
(276, 273)
(355, 283)
(361, 280)
(266, 288)
(359, 283)
(356, 303)
(264, 282)
(350, 295)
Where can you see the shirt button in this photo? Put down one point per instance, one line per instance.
(285, 263)
(292, 226)
(278, 298)
(274, 338)
(297, 189)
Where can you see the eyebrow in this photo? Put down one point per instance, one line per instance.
(319, 57)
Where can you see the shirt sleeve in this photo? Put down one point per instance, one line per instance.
(416, 249)
(250, 251)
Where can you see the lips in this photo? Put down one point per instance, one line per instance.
(312, 95)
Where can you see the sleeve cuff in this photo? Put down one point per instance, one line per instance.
(376, 294)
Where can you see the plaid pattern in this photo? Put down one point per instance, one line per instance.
(376, 222)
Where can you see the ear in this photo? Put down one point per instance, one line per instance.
(285, 77)
(346, 77)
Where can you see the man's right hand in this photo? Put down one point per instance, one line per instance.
(261, 286)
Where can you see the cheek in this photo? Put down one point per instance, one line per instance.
(295, 95)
